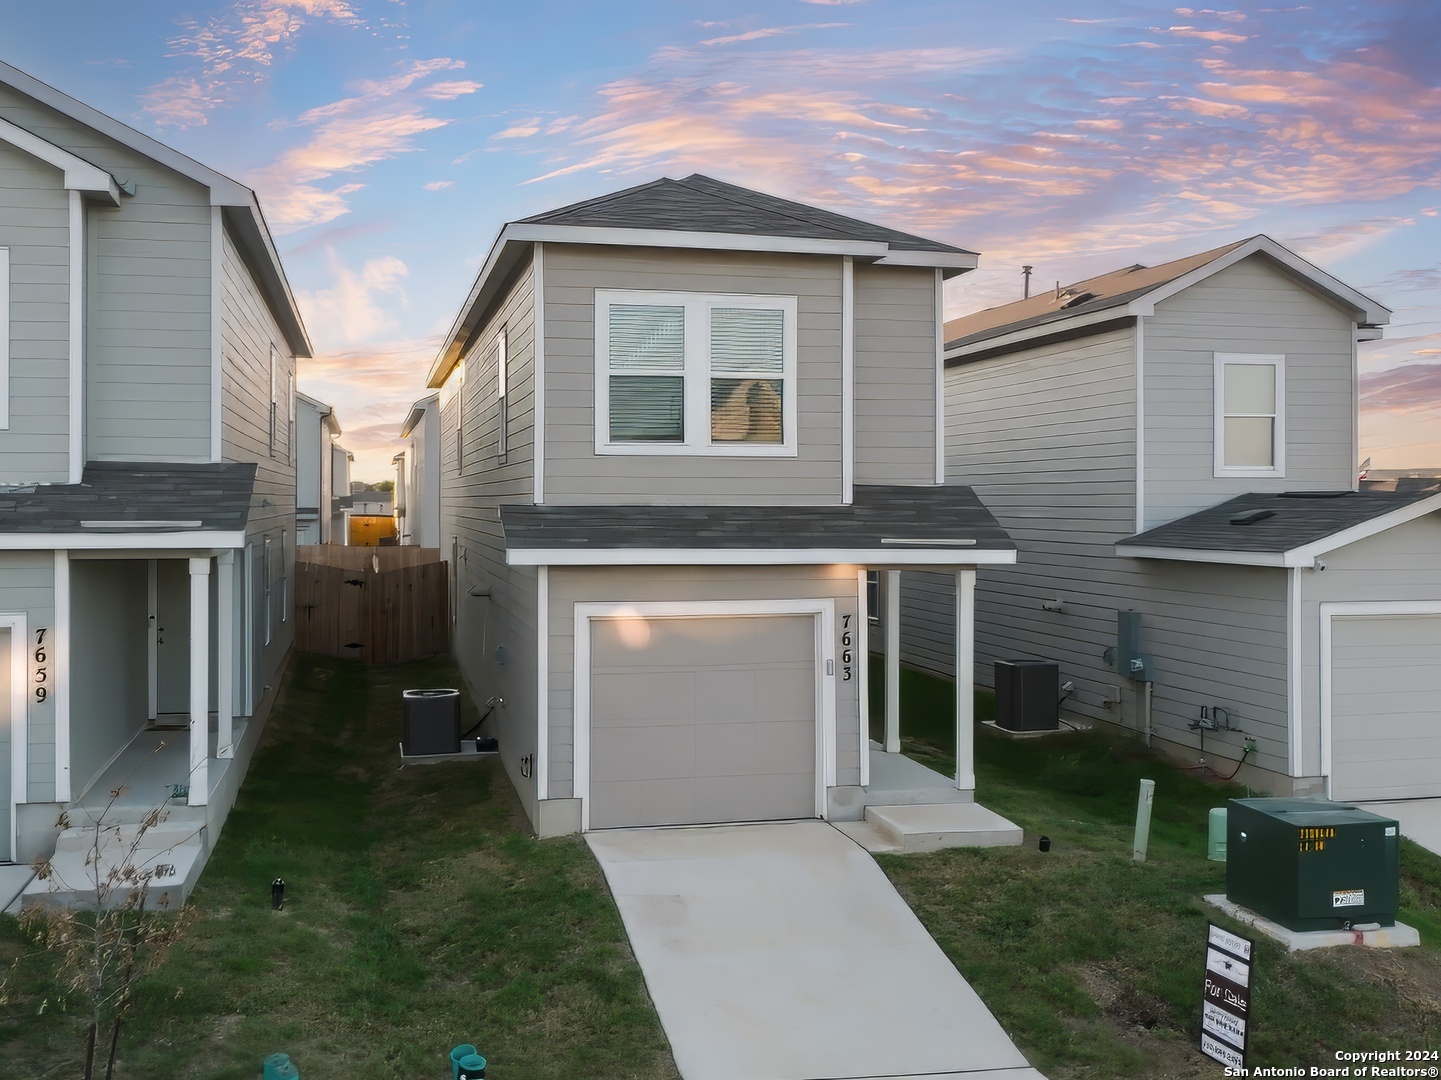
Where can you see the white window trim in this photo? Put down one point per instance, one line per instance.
(4, 338)
(269, 581)
(502, 418)
(274, 398)
(697, 374)
(1218, 427)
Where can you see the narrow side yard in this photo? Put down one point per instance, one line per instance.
(420, 914)
(1093, 962)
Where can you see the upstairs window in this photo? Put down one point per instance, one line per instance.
(1250, 415)
(690, 373)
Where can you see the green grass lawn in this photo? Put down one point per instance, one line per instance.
(1093, 962)
(420, 914)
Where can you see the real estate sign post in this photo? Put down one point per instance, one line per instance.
(1226, 997)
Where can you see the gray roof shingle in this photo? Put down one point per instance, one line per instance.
(889, 512)
(1271, 523)
(701, 204)
(115, 492)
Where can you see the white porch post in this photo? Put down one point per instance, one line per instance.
(199, 681)
(225, 653)
(965, 679)
(893, 661)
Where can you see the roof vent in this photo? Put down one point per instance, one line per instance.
(1314, 494)
(1250, 517)
(1072, 299)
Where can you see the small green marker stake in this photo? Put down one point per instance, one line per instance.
(1143, 820)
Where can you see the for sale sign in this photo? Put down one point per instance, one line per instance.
(1226, 997)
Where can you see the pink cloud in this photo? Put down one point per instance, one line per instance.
(767, 32)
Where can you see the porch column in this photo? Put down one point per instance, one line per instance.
(965, 679)
(199, 681)
(893, 661)
(225, 653)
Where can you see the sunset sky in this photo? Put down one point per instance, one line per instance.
(390, 139)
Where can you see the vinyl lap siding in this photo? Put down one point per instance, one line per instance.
(572, 585)
(35, 227)
(27, 584)
(1047, 438)
(895, 372)
(576, 474)
(147, 286)
(494, 636)
(247, 332)
(1246, 308)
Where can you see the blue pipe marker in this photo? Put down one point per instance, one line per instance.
(464, 1050)
(280, 1067)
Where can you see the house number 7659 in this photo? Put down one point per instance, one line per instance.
(40, 666)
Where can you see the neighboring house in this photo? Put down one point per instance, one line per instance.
(316, 429)
(372, 519)
(147, 476)
(1180, 441)
(340, 460)
(417, 485)
(680, 422)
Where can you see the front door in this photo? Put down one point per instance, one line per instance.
(172, 650)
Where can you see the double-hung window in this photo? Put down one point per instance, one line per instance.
(695, 373)
(1250, 414)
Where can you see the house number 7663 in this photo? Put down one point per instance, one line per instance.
(847, 655)
(40, 665)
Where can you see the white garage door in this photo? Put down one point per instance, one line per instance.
(702, 719)
(1385, 707)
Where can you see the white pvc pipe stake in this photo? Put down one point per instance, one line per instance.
(1143, 820)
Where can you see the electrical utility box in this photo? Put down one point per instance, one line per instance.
(1310, 864)
(1130, 660)
(1028, 695)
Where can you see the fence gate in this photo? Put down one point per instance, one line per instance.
(380, 605)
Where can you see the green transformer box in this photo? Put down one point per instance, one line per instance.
(1310, 864)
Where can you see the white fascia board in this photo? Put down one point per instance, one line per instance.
(1372, 313)
(1228, 558)
(108, 541)
(957, 262)
(448, 357)
(1020, 337)
(80, 175)
(679, 238)
(1304, 556)
(417, 414)
(950, 557)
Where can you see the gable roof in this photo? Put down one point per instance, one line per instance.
(417, 413)
(170, 505)
(886, 524)
(1134, 291)
(1280, 529)
(238, 203)
(697, 212)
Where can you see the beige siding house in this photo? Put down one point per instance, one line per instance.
(148, 343)
(678, 425)
(1180, 441)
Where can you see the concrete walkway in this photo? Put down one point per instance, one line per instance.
(782, 952)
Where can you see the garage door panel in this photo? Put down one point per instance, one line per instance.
(726, 696)
(703, 719)
(620, 698)
(1385, 707)
(648, 752)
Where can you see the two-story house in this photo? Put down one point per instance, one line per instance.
(1180, 441)
(680, 423)
(316, 429)
(417, 480)
(147, 482)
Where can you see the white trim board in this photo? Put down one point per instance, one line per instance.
(951, 558)
(537, 368)
(62, 655)
(542, 689)
(824, 610)
(1331, 610)
(81, 177)
(76, 301)
(5, 338)
(848, 380)
(117, 541)
(16, 623)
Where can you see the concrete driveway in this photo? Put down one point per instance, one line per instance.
(1420, 819)
(781, 952)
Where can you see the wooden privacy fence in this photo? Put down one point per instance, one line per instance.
(380, 605)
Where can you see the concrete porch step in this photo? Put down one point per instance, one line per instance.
(83, 876)
(930, 827)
